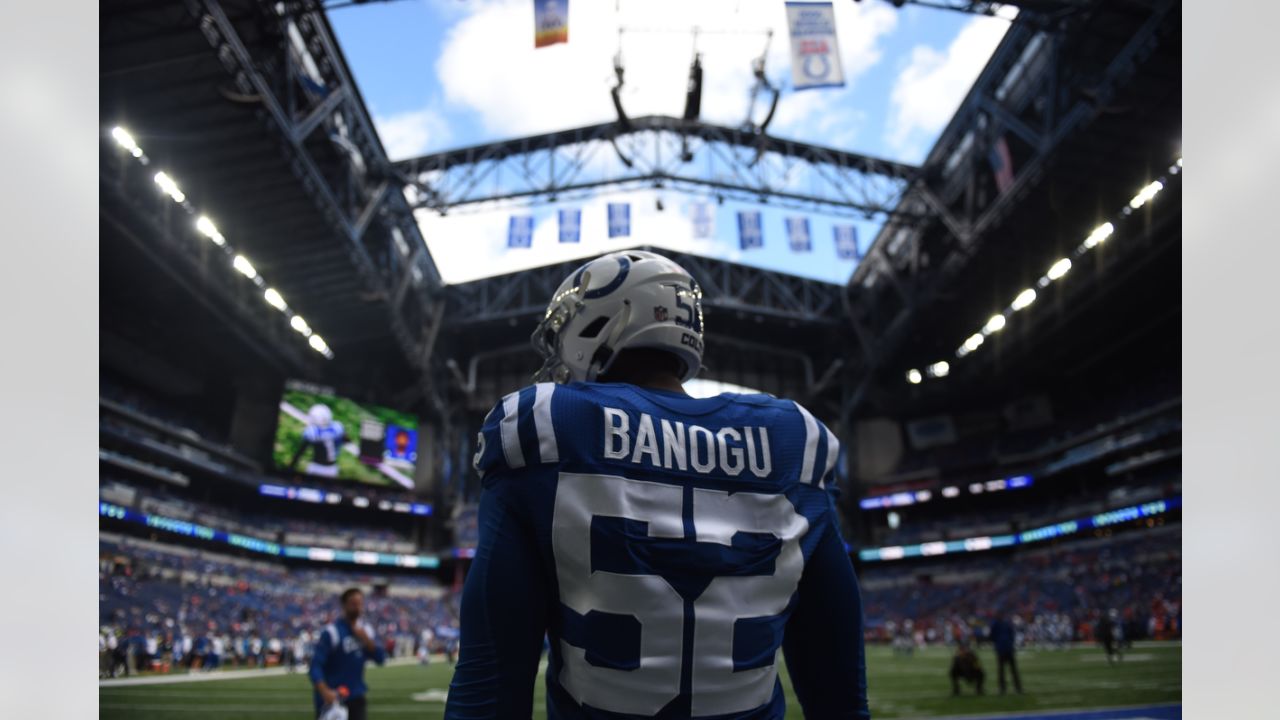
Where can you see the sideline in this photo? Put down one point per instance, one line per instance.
(228, 675)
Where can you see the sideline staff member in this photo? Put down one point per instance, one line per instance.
(338, 659)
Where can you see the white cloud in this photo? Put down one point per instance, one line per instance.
(412, 133)
(488, 63)
(932, 85)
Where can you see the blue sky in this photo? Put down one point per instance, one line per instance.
(445, 73)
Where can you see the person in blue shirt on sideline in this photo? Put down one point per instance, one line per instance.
(1004, 639)
(669, 546)
(339, 656)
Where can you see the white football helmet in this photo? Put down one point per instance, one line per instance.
(320, 415)
(626, 299)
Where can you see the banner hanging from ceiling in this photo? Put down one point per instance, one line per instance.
(703, 218)
(750, 232)
(520, 231)
(815, 51)
(551, 22)
(798, 234)
(847, 242)
(570, 225)
(619, 220)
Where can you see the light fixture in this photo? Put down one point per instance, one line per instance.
(974, 342)
(914, 377)
(318, 344)
(126, 141)
(1059, 269)
(274, 300)
(939, 369)
(300, 325)
(1099, 234)
(994, 324)
(245, 267)
(209, 230)
(1145, 194)
(169, 187)
(1025, 298)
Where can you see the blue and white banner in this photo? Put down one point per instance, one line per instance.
(815, 51)
(798, 234)
(847, 242)
(619, 220)
(703, 217)
(750, 230)
(551, 22)
(570, 226)
(520, 231)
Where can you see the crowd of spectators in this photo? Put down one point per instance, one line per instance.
(164, 609)
(1051, 596)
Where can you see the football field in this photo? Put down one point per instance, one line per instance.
(916, 686)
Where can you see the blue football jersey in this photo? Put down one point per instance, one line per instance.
(669, 547)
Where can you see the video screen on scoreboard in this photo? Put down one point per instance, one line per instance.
(324, 435)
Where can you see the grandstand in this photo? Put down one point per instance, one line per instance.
(1001, 364)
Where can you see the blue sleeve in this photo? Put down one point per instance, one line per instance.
(823, 643)
(319, 656)
(504, 611)
(379, 653)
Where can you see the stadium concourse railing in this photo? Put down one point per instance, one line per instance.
(1040, 534)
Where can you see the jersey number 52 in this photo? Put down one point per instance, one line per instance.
(651, 600)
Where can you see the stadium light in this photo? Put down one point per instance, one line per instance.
(1059, 269)
(994, 324)
(974, 342)
(206, 227)
(274, 300)
(245, 267)
(1145, 194)
(318, 344)
(939, 369)
(1099, 235)
(1025, 298)
(126, 141)
(300, 325)
(169, 187)
(914, 377)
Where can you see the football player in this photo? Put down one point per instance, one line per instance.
(324, 436)
(669, 546)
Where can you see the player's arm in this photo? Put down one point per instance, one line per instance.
(319, 656)
(504, 613)
(372, 648)
(297, 454)
(823, 643)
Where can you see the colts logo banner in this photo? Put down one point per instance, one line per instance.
(570, 226)
(750, 234)
(798, 234)
(815, 52)
(551, 22)
(520, 231)
(619, 220)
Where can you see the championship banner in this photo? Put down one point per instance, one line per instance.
(798, 234)
(551, 22)
(847, 242)
(704, 221)
(750, 232)
(520, 231)
(619, 220)
(570, 226)
(815, 52)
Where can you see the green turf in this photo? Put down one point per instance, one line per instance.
(899, 687)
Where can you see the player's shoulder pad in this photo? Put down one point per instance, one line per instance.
(821, 450)
(519, 432)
